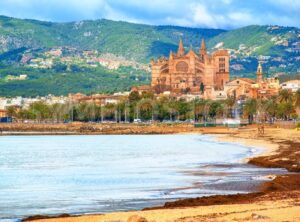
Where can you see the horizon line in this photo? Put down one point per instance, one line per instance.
(139, 23)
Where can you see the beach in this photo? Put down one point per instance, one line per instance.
(285, 209)
(276, 200)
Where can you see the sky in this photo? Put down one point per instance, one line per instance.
(225, 14)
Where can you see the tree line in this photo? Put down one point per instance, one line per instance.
(146, 107)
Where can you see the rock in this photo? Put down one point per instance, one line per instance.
(258, 217)
(136, 218)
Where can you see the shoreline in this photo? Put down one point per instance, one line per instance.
(266, 147)
(276, 150)
(78, 128)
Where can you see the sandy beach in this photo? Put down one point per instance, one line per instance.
(276, 200)
(281, 210)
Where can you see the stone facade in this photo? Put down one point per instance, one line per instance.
(190, 72)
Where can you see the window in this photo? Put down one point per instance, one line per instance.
(182, 67)
(222, 65)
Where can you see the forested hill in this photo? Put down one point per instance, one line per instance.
(108, 56)
(133, 41)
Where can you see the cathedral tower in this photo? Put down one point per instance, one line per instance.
(259, 73)
(202, 50)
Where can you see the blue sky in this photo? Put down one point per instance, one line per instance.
(194, 13)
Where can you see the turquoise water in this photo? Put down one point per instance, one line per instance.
(50, 175)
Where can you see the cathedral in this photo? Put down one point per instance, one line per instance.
(191, 72)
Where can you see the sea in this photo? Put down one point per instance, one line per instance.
(51, 175)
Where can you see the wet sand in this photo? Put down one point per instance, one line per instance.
(276, 200)
(282, 208)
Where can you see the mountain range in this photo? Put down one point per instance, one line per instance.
(108, 56)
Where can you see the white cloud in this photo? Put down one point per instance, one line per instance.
(202, 17)
(242, 18)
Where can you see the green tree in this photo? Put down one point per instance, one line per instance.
(25, 114)
(145, 109)
(297, 99)
(40, 110)
(271, 107)
(215, 109)
(285, 96)
(288, 109)
(230, 103)
(147, 95)
(200, 109)
(12, 111)
(134, 97)
(183, 109)
(60, 67)
(249, 109)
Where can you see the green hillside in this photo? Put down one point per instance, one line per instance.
(259, 40)
(249, 35)
(62, 82)
(119, 53)
(133, 41)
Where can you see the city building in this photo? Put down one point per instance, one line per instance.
(242, 88)
(190, 72)
(265, 87)
(99, 99)
(20, 77)
(141, 89)
(292, 85)
(3, 113)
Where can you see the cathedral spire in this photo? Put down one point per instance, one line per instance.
(180, 48)
(191, 52)
(171, 55)
(203, 47)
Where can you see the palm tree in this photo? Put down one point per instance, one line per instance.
(146, 108)
(109, 111)
(271, 108)
(230, 102)
(297, 99)
(57, 112)
(249, 109)
(12, 111)
(41, 110)
(173, 109)
(199, 109)
(288, 109)
(285, 96)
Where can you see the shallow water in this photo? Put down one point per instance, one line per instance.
(50, 175)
